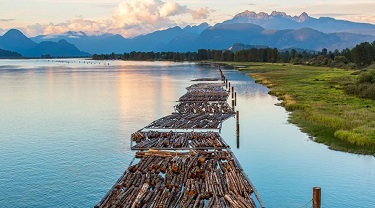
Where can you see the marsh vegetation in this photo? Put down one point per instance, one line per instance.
(320, 104)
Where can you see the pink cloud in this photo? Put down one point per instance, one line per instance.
(368, 19)
(129, 18)
(76, 24)
(200, 13)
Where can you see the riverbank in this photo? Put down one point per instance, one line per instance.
(318, 105)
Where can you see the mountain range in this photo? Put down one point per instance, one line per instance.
(223, 36)
(108, 43)
(247, 28)
(281, 21)
(14, 40)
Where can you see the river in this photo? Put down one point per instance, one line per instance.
(65, 127)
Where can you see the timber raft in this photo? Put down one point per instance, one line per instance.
(181, 159)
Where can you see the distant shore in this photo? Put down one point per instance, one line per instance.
(318, 104)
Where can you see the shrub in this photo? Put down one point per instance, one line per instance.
(365, 77)
(368, 92)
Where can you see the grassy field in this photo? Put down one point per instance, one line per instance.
(318, 104)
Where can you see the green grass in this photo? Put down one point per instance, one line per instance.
(319, 105)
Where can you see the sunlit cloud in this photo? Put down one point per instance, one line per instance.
(132, 17)
(6, 20)
(76, 24)
(368, 19)
(171, 9)
(201, 13)
(2, 31)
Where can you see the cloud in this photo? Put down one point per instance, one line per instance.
(329, 14)
(368, 19)
(200, 13)
(2, 31)
(6, 20)
(76, 24)
(129, 18)
(132, 17)
(171, 9)
(249, 4)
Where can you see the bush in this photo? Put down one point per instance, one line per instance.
(372, 71)
(351, 89)
(368, 92)
(365, 77)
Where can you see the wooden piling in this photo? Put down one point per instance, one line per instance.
(232, 92)
(316, 197)
(238, 135)
(237, 117)
(238, 129)
(233, 105)
(235, 99)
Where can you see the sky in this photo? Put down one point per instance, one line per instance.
(134, 17)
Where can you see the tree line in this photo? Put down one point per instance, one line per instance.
(362, 55)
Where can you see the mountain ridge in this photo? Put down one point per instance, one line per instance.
(281, 20)
(15, 41)
(276, 29)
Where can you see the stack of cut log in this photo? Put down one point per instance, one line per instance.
(204, 107)
(204, 96)
(201, 172)
(205, 80)
(189, 121)
(174, 140)
(206, 87)
(196, 179)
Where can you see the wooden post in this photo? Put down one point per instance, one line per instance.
(316, 197)
(232, 92)
(237, 117)
(238, 129)
(226, 84)
(235, 99)
(238, 135)
(229, 86)
(233, 105)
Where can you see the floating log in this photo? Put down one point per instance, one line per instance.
(199, 174)
(189, 121)
(174, 140)
(204, 96)
(206, 87)
(207, 175)
(204, 107)
(205, 79)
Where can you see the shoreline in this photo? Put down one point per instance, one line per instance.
(317, 103)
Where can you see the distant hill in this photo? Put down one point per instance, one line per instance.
(56, 49)
(91, 44)
(9, 54)
(281, 21)
(15, 40)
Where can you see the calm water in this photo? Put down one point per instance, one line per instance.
(65, 127)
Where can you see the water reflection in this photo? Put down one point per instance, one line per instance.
(65, 128)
